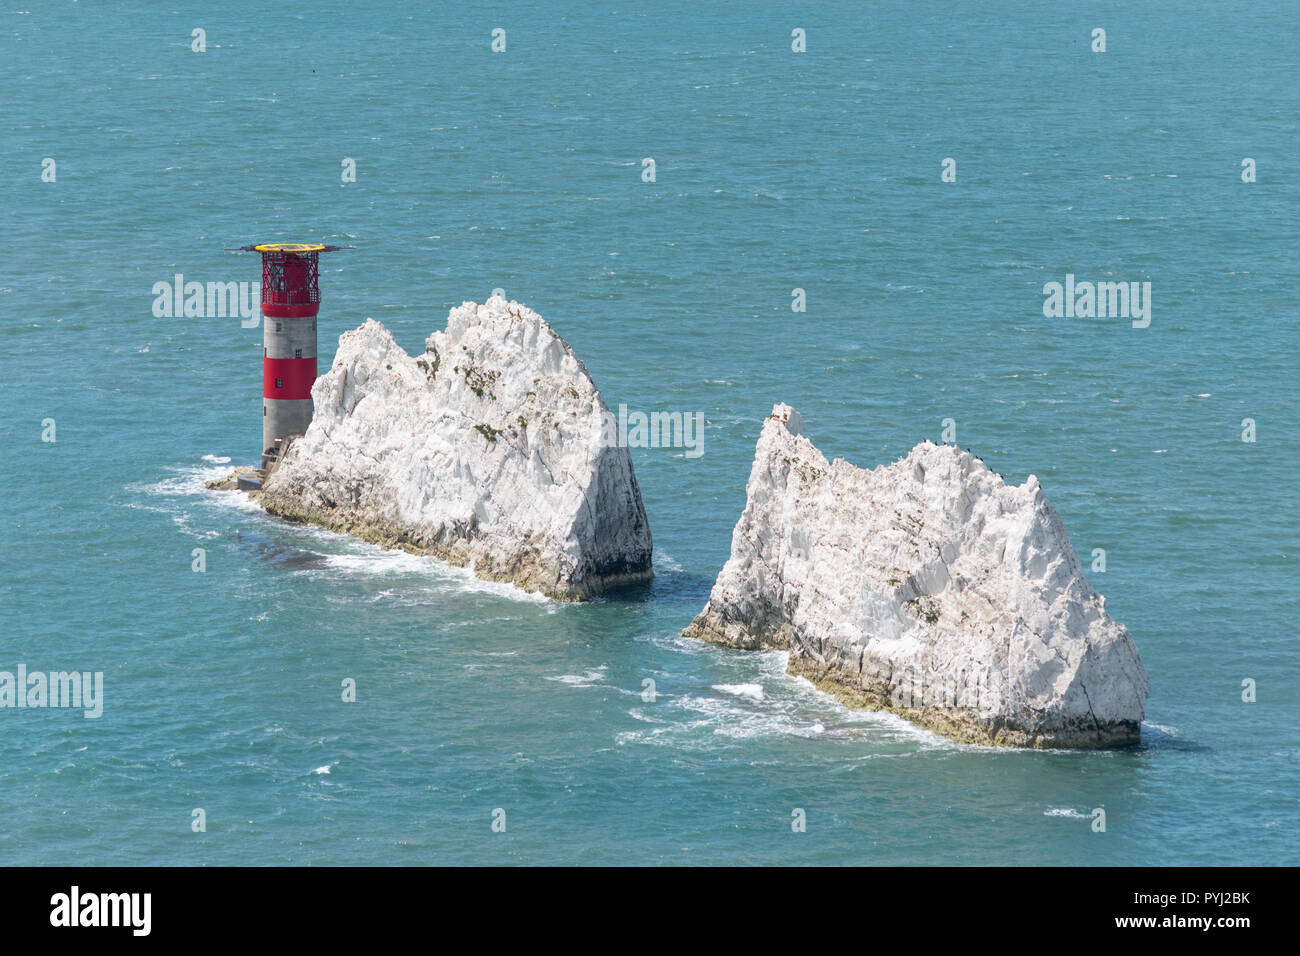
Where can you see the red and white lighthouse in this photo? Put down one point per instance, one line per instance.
(290, 301)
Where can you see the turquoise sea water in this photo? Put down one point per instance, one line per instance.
(522, 170)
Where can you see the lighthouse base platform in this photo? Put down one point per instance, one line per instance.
(241, 479)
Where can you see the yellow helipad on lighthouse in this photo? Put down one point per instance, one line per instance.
(289, 247)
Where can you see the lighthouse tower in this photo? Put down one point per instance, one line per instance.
(290, 301)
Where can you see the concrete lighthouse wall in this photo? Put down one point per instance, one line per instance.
(288, 371)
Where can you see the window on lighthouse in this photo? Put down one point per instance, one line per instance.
(279, 383)
(297, 353)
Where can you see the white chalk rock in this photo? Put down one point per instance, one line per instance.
(490, 450)
(930, 588)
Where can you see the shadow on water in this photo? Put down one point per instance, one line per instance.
(271, 551)
(627, 594)
(1154, 739)
(669, 586)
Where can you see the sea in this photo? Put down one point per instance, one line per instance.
(856, 209)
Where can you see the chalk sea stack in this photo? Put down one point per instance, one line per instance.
(929, 588)
(485, 450)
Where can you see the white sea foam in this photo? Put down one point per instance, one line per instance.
(637, 713)
(586, 679)
(792, 705)
(752, 691)
(355, 558)
(785, 705)
(725, 719)
(1171, 731)
(665, 561)
(1065, 812)
(362, 558)
(774, 705)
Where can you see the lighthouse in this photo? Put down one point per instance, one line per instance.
(290, 301)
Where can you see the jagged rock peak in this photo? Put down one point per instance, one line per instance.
(486, 450)
(928, 587)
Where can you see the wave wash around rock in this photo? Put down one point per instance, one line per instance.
(929, 588)
(486, 451)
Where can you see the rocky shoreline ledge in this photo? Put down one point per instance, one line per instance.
(928, 588)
